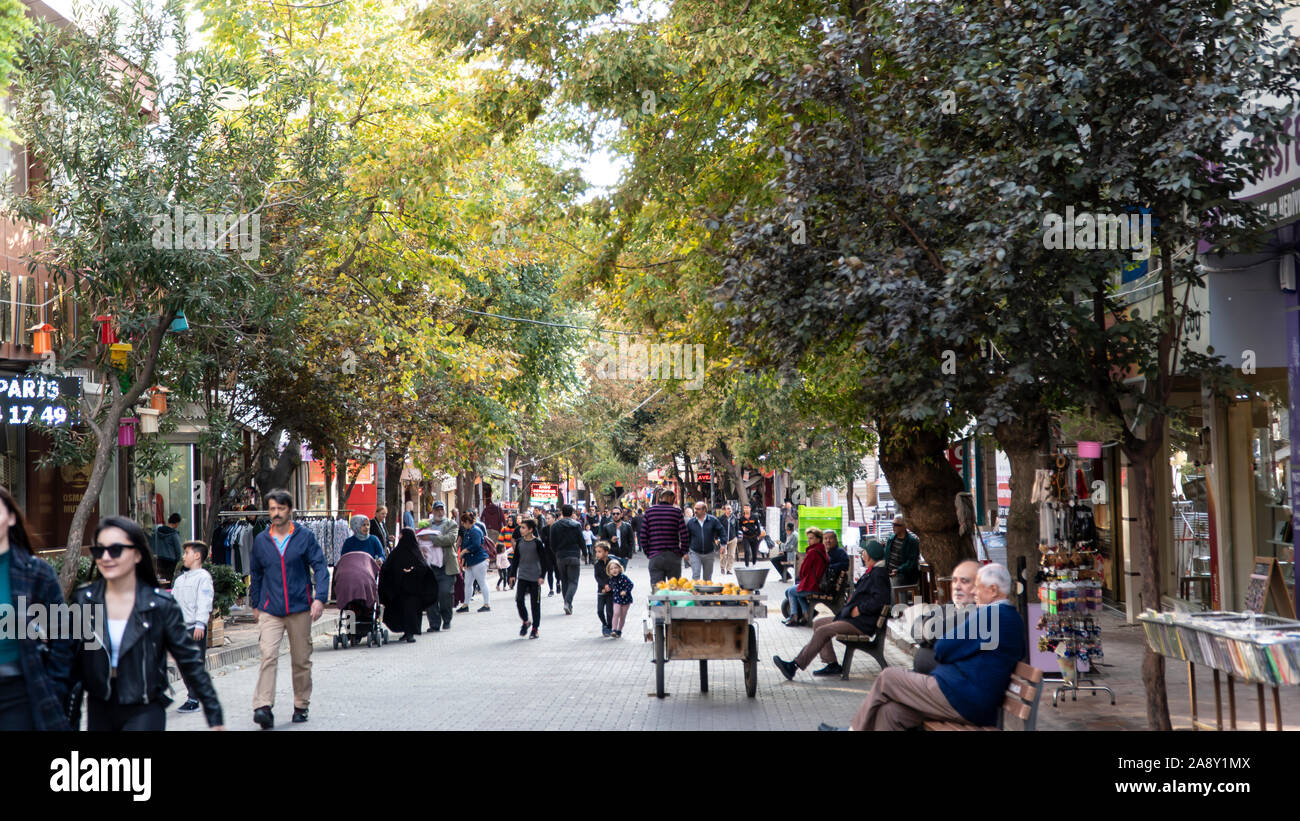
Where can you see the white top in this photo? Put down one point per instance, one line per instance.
(116, 629)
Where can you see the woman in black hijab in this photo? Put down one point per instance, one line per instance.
(406, 586)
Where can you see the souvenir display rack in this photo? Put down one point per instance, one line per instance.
(1070, 577)
(1264, 650)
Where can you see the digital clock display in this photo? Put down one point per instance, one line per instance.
(37, 399)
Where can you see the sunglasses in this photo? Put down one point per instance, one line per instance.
(113, 550)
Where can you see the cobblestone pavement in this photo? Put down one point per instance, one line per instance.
(481, 676)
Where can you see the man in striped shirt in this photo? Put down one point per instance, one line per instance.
(664, 538)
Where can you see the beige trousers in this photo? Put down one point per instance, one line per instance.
(901, 699)
(270, 633)
(727, 556)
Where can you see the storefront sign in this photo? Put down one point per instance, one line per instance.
(544, 492)
(37, 399)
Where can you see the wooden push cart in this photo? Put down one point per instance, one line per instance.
(716, 627)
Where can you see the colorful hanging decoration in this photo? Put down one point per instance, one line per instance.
(180, 324)
(107, 336)
(118, 353)
(41, 337)
(126, 431)
(148, 420)
(158, 398)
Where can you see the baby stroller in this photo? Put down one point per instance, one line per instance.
(357, 585)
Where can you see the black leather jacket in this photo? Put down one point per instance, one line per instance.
(155, 629)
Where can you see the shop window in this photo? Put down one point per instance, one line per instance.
(157, 497)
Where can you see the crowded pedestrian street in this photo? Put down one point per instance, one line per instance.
(580, 370)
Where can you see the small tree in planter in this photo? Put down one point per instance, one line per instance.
(227, 587)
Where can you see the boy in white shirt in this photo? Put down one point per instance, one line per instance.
(193, 592)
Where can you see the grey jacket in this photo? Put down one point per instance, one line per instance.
(192, 590)
(445, 535)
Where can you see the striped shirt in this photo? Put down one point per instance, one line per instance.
(663, 530)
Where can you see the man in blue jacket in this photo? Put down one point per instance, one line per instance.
(284, 559)
(974, 666)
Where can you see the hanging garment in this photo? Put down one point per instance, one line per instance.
(1080, 485)
(1083, 528)
(1042, 486)
(1047, 524)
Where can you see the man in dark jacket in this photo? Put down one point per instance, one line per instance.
(619, 535)
(903, 555)
(565, 541)
(664, 538)
(379, 527)
(857, 618)
(168, 547)
(706, 538)
(285, 560)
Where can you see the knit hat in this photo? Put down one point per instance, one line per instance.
(875, 550)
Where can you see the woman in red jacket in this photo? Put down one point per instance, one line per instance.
(810, 578)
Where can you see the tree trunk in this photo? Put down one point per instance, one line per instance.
(733, 470)
(394, 464)
(1145, 548)
(276, 476)
(105, 433)
(1023, 440)
(926, 486)
(464, 491)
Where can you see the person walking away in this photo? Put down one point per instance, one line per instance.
(620, 587)
(168, 540)
(637, 518)
(604, 595)
(784, 559)
(814, 565)
(857, 618)
(440, 552)
(552, 576)
(362, 539)
(493, 518)
(566, 544)
(136, 625)
(731, 530)
(618, 533)
(530, 560)
(751, 530)
(194, 593)
(664, 538)
(34, 674)
(406, 587)
(408, 516)
(285, 560)
(904, 551)
(474, 558)
(379, 528)
(706, 537)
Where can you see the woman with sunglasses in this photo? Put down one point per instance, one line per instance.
(33, 669)
(135, 626)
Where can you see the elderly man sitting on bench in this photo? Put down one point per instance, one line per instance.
(975, 662)
(857, 618)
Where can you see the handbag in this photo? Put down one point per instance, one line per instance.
(765, 545)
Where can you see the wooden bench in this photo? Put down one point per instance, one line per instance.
(1021, 703)
(873, 646)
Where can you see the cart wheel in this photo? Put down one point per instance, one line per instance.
(751, 665)
(659, 660)
(704, 676)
